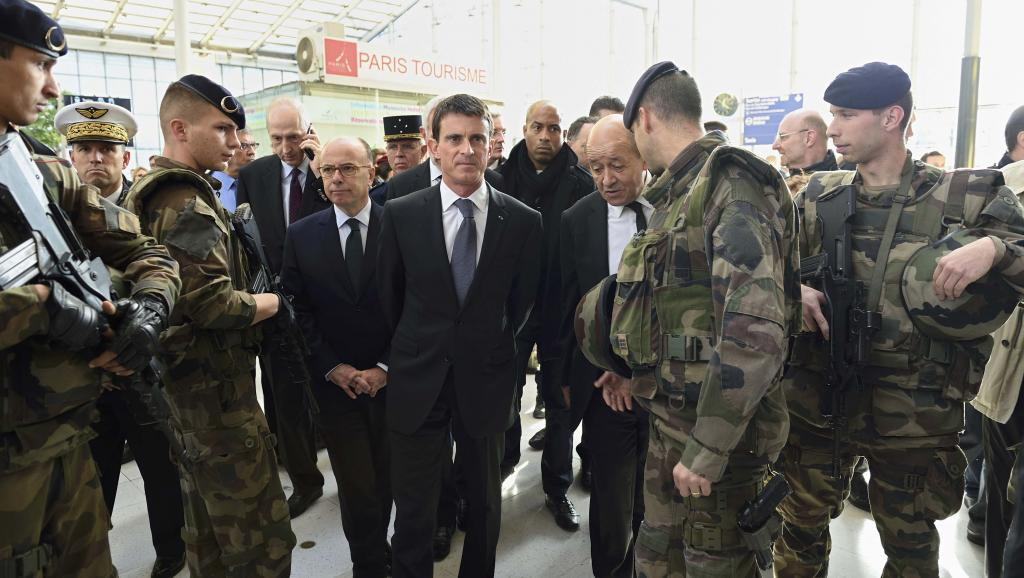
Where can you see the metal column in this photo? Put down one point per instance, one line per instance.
(970, 67)
(182, 43)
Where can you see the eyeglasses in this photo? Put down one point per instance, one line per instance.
(347, 171)
(784, 135)
(496, 132)
(249, 146)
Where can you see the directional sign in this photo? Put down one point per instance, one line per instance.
(762, 115)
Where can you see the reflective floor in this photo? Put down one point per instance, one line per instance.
(531, 545)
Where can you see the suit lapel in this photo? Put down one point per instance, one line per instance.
(497, 215)
(436, 246)
(599, 225)
(333, 258)
(272, 183)
(370, 254)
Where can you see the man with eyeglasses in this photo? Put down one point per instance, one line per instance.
(802, 144)
(330, 270)
(244, 154)
(281, 189)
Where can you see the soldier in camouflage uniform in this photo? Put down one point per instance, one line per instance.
(236, 517)
(53, 521)
(726, 299)
(906, 409)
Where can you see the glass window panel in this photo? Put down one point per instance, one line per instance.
(271, 78)
(68, 83)
(233, 79)
(118, 66)
(91, 63)
(253, 79)
(142, 68)
(119, 87)
(92, 86)
(67, 63)
(166, 70)
(144, 97)
(288, 76)
(148, 136)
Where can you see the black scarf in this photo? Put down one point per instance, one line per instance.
(826, 164)
(523, 180)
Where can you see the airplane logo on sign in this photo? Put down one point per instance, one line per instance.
(341, 57)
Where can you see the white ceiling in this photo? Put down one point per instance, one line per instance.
(258, 27)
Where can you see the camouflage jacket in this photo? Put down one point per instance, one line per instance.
(210, 335)
(918, 384)
(46, 394)
(728, 400)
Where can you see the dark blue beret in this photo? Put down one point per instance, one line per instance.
(25, 24)
(216, 95)
(650, 75)
(874, 85)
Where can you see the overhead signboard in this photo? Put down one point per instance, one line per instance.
(372, 66)
(762, 115)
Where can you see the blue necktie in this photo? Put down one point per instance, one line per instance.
(464, 251)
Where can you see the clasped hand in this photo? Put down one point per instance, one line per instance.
(354, 382)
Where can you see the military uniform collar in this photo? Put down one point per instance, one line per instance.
(166, 163)
(696, 150)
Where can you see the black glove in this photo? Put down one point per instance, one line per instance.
(137, 326)
(285, 317)
(73, 324)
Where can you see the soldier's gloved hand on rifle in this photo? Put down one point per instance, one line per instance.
(138, 322)
(285, 316)
(74, 325)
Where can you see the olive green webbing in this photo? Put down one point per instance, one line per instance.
(899, 201)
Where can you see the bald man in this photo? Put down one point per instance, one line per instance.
(802, 144)
(329, 269)
(593, 233)
(281, 188)
(544, 174)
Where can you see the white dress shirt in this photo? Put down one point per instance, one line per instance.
(363, 216)
(435, 171)
(451, 216)
(621, 228)
(286, 183)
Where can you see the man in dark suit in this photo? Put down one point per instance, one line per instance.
(458, 277)
(281, 189)
(594, 231)
(329, 269)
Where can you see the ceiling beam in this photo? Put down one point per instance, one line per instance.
(385, 23)
(158, 36)
(56, 9)
(228, 13)
(273, 27)
(113, 17)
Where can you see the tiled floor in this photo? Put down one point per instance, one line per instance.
(531, 545)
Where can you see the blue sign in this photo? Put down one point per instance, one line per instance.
(762, 115)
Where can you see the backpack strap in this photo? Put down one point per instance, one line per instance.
(953, 213)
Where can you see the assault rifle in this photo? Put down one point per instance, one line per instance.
(53, 252)
(850, 325)
(757, 522)
(282, 332)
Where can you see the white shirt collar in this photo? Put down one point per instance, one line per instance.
(286, 169)
(479, 197)
(616, 211)
(363, 216)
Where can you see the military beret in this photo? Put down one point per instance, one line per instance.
(402, 127)
(650, 75)
(95, 121)
(874, 85)
(216, 95)
(25, 24)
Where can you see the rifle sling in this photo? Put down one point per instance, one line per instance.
(899, 201)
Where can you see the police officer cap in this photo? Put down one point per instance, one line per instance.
(25, 24)
(874, 85)
(402, 127)
(95, 121)
(216, 95)
(650, 75)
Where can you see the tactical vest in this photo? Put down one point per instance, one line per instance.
(662, 316)
(190, 353)
(940, 203)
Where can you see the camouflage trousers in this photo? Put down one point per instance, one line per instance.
(236, 516)
(910, 488)
(53, 521)
(691, 536)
